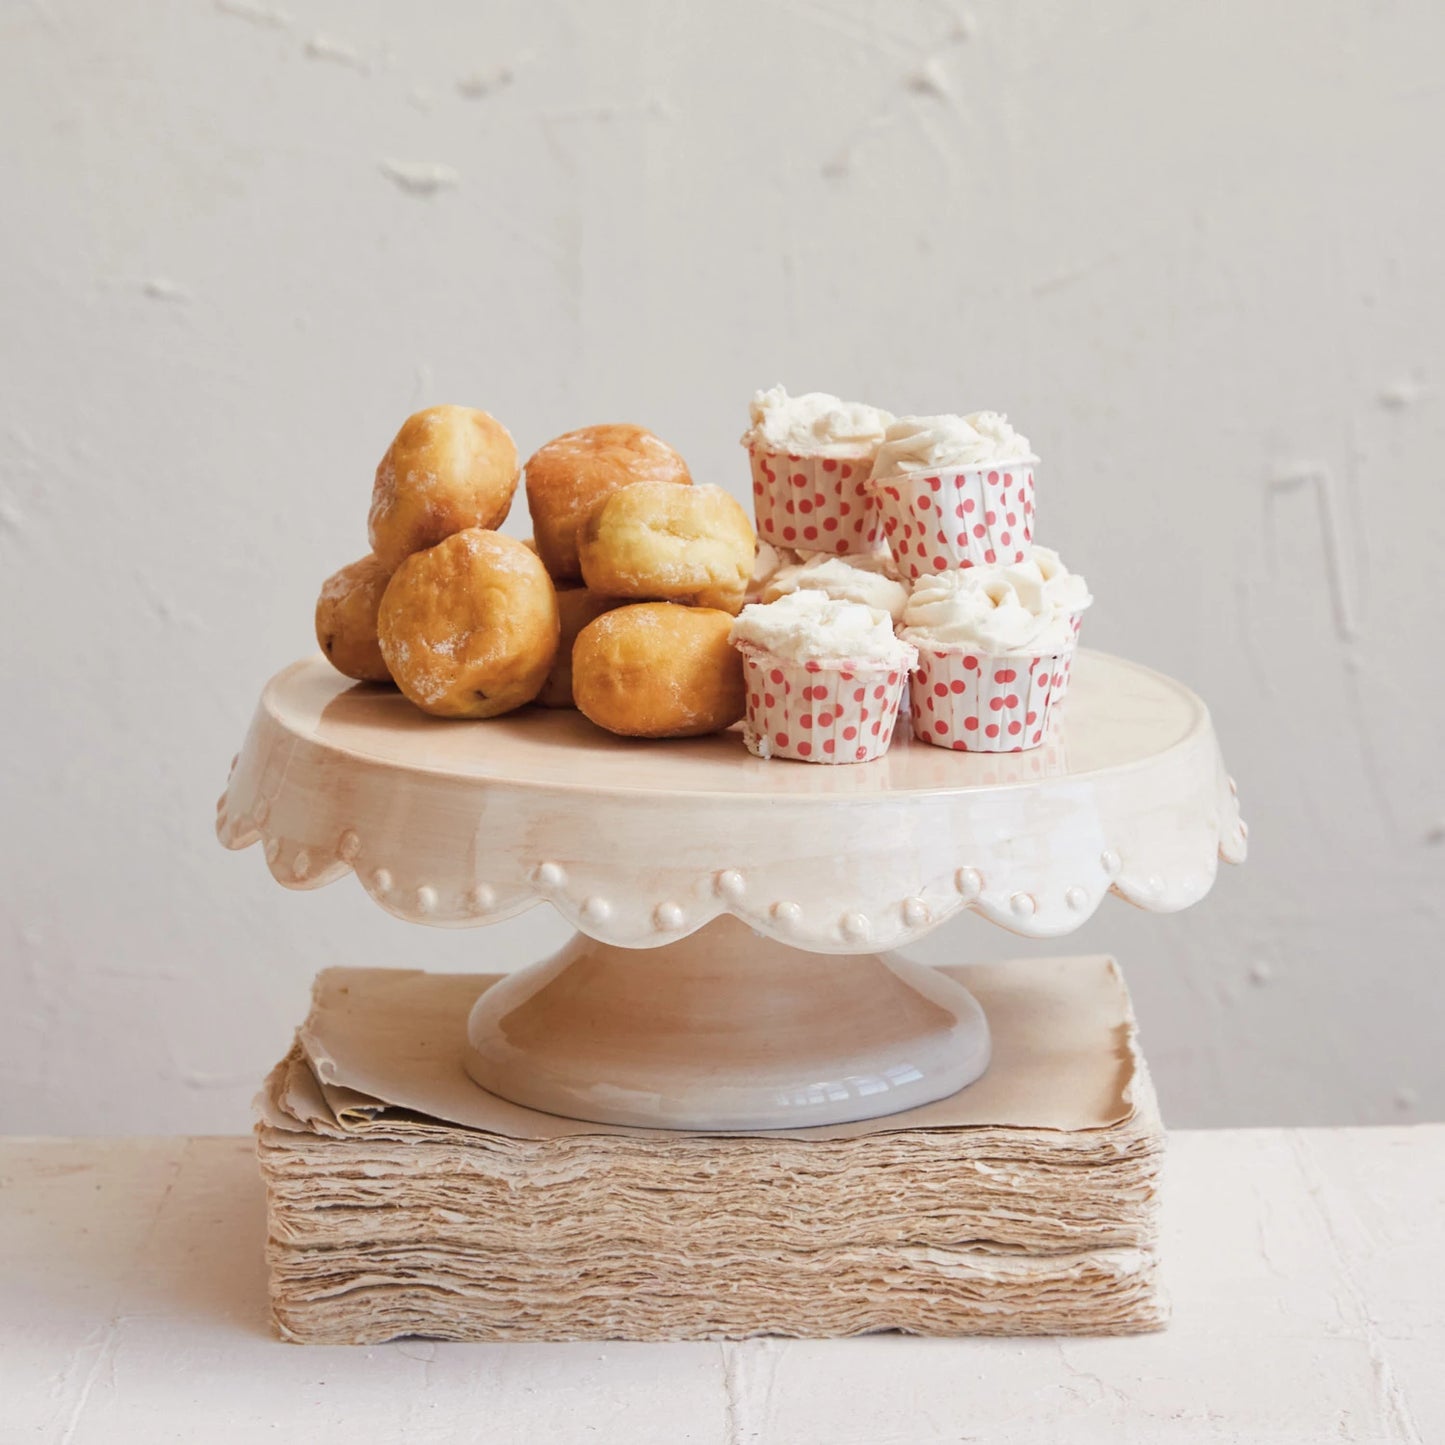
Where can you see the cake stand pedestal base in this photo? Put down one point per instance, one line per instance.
(725, 1029)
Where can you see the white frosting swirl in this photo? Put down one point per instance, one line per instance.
(768, 561)
(1024, 608)
(933, 443)
(1044, 584)
(815, 424)
(810, 626)
(863, 579)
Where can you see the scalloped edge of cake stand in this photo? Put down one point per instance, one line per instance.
(1161, 856)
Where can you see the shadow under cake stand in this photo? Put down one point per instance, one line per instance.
(733, 965)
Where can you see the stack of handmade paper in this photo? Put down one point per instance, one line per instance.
(405, 1200)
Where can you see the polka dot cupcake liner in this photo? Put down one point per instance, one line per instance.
(975, 703)
(814, 504)
(1061, 691)
(936, 522)
(818, 712)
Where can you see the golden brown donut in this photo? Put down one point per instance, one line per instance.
(449, 468)
(657, 670)
(469, 627)
(692, 544)
(577, 606)
(346, 619)
(569, 476)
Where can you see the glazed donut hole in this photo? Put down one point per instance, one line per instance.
(620, 603)
(577, 607)
(346, 619)
(659, 670)
(449, 468)
(469, 628)
(692, 545)
(569, 476)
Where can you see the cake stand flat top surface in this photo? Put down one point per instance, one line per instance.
(640, 843)
(1117, 715)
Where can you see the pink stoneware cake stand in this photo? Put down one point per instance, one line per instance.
(732, 967)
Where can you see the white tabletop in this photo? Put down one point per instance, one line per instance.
(1305, 1266)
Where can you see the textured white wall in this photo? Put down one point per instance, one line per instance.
(1193, 250)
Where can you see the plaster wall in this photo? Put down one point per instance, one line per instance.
(1194, 251)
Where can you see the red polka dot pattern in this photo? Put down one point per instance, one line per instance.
(814, 504)
(1061, 685)
(981, 704)
(819, 712)
(935, 523)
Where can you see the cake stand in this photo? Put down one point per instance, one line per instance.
(733, 965)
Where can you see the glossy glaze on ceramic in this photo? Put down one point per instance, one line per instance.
(641, 843)
(725, 1029)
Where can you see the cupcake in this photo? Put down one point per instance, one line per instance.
(954, 491)
(1044, 583)
(995, 645)
(824, 678)
(768, 561)
(867, 580)
(811, 457)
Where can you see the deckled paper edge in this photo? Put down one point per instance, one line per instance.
(298, 1095)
